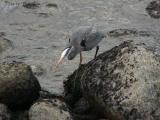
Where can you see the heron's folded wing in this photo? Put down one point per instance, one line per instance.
(81, 33)
(93, 39)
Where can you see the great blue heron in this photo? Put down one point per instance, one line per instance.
(83, 39)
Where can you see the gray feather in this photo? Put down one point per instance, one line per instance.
(83, 39)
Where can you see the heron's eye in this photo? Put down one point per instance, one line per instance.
(83, 43)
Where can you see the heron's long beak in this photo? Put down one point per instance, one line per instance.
(63, 55)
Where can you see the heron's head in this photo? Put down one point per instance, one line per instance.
(70, 52)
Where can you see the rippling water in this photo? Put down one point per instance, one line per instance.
(40, 34)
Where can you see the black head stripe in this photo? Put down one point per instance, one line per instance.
(83, 43)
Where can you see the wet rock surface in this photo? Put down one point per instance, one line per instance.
(44, 94)
(4, 112)
(49, 109)
(4, 43)
(72, 88)
(2, 34)
(18, 86)
(31, 5)
(37, 70)
(123, 83)
(131, 32)
(153, 9)
(52, 5)
(19, 115)
(79, 106)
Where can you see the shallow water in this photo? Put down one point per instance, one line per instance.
(39, 35)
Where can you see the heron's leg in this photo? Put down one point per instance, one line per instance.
(81, 58)
(97, 48)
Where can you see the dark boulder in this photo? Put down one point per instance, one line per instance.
(18, 86)
(31, 5)
(153, 9)
(122, 83)
(19, 115)
(4, 44)
(4, 112)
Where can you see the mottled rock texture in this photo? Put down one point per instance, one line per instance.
(122, 83)
(4, 44)
(18, 86)
(153, 9)
(4, 112)
(49, 109)
(37, 70)
(31, 5)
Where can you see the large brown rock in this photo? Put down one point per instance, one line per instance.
(123, 83)
(18, 86)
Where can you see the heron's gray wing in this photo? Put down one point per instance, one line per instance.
(92, 40)
(80, 34)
